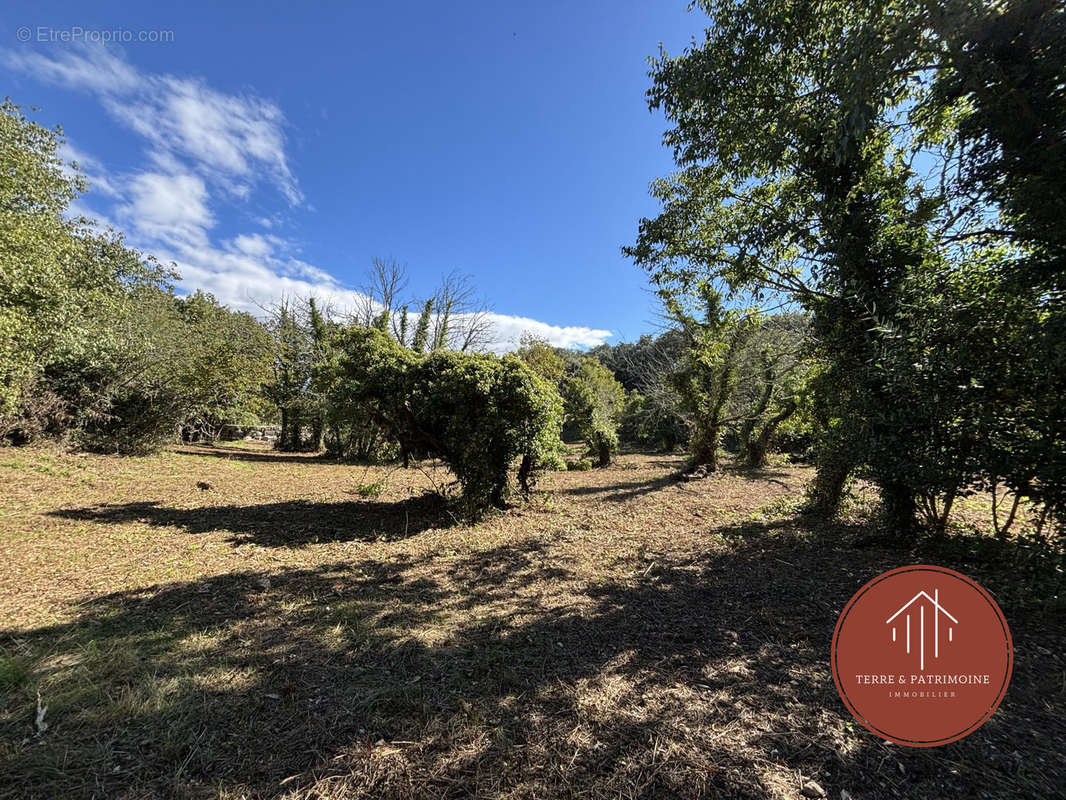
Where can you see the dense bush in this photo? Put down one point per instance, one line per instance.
(477, 412)
(594, 401)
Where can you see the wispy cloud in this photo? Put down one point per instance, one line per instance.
(225, 138)
(204, 148)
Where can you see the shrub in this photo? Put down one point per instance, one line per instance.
(594, 403)
(579, 465)
(477, 412)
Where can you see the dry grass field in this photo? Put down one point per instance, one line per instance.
(304, 629)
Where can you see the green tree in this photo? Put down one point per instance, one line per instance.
(479, 413)
(47, 273)
(706, 375)
(794, 127)
(290, 388)
(594, 402)
(421, 337)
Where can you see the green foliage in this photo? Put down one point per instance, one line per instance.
(594, 401)
(93, 342)
(1004, 94)
(370, 489)
(652, 424)
(706, 375)
(794, 128)
(47, 274)
(13, 671)
(579, 465)
(542, 358)
(299, 336)
(478, 412)
(180, 362)
(592, 398)
(772, 389)
(421, 337)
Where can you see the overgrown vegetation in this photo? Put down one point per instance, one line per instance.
(862, 363)
(877, 166)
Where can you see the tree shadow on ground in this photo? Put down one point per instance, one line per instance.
(497, 672)
(624, 490)
(259, 456)
(293, 523)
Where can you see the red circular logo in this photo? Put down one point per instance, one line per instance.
(922, 655)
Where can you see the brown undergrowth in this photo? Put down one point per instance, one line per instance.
(622, 635)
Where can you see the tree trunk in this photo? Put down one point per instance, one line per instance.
(756, 455)
(604, 454)
(827, 489)
(900, 506)
(705, 447)
(747, 430)
(281, 443)
(525, 473)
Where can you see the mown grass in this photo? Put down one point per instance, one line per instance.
(289, 634)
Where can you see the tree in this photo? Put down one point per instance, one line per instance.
(542, 358)
(479, 413)
(594, 402)
(653, 415)
(771, 383)
(706, 375)
(425, 319)
(46, 274)
(794, 129)
(291, 388)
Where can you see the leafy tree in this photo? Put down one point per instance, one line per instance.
(794, 129)
(771, 383)
(421, 337)
(653, 415)
(593, 399)
(479, 413)
(542, 358)
(291, 388)
(594, 402)
(706, 376)
(47, 272)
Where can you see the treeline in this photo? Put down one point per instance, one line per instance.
(95, 345)
(98, 350)
(898, 171)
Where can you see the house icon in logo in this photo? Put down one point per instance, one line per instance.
(909, 608)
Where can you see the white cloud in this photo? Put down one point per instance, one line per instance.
(201, 141)
(226, 138)
(252, 244)
(91, 68)
(168, 208)
(509, 330)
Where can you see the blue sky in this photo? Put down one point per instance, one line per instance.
(277, 148)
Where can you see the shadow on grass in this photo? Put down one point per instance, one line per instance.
(285, 524)
(625, 490)
(259, 456)
(496, 672)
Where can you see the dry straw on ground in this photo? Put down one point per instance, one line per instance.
(623, 635)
